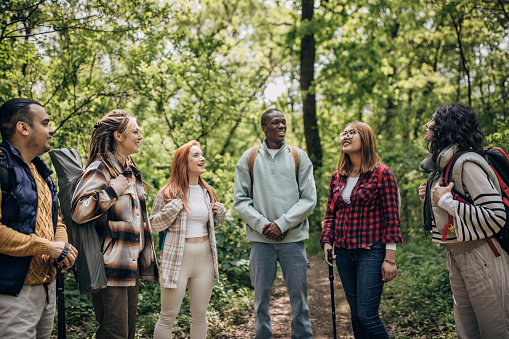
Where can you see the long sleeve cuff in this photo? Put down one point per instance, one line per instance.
(390, 246)
(448, 203)
(41, 246)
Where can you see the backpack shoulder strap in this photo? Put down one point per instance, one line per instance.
(450, 166)
(251, 160)
(6, 178)
(448, 174)
(253, 152)
(296, 159)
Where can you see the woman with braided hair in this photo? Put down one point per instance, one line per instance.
(111, 191)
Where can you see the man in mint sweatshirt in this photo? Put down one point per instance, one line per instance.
(275, 206)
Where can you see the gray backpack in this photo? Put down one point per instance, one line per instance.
(90, 271)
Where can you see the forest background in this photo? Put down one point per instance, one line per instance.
(207, 69)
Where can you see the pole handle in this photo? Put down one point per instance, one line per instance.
(331, 260)
(329, 255)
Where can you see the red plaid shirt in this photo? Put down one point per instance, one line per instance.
(371, 216)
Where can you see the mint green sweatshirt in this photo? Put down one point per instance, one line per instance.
(276, 194)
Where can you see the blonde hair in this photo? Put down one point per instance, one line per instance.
(369, 154)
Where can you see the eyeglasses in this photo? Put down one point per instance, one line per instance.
(348, 134)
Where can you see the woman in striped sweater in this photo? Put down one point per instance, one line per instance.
(479, 278)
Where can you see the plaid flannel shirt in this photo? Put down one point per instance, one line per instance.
(127, 222)
(372, 215)
(170, 214)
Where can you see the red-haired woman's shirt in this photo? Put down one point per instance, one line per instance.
(371, 216)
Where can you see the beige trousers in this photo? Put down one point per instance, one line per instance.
(196, 273)
(30, 314)
(480, 287)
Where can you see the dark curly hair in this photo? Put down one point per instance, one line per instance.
(455, 124)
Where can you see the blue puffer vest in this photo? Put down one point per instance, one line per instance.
(19, 212)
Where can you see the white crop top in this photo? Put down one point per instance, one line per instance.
(198, 213)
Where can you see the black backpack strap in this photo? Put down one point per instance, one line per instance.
(6, 175)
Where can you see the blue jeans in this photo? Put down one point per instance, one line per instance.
(360, 271)
(263, 267)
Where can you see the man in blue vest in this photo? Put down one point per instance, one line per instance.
(32, 236)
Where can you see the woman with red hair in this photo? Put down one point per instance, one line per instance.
(186, 210)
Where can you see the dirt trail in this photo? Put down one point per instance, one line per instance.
(319, 302)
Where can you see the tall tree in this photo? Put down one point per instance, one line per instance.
(307, 75)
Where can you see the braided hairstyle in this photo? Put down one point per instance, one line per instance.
(102, 141)
(455, 124)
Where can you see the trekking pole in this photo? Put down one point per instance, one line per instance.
(331, 279)
(60, 304)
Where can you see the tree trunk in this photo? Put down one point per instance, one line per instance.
(307, 72)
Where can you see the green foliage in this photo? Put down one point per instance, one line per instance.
(418, 303)
(499, 138)
(229, 299)
(79, 315)
(201, 70)
(233, 251)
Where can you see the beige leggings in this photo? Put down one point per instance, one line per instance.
(196, 272)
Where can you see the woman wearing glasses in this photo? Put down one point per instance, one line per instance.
(362, 226)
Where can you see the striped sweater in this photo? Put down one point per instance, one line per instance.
(472, 176)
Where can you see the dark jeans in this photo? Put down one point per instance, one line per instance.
(360, 271)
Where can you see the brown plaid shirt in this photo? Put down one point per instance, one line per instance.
(171, 215)
(127, 217)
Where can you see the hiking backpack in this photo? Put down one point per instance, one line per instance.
(499, 162)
